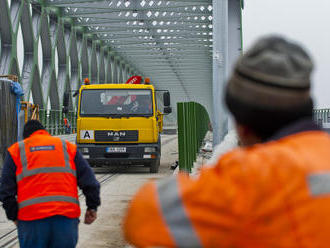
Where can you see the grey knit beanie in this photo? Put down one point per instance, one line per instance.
(274, 73)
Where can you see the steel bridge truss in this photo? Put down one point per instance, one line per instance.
(52, 45)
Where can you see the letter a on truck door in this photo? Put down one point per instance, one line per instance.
(86, 134)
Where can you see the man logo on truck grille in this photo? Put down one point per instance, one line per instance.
(116, 134)
(120, 135)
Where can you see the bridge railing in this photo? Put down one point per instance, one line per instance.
(193, 123)
(53, 121)
(321, 116)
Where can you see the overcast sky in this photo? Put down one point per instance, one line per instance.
(305, 21)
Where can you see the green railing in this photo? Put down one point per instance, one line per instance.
(53, 121)
(193, 123)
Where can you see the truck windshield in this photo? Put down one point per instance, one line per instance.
(116, 102)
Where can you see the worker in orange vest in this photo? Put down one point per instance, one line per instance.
(274, 191)
(67, 125)
(39, 189)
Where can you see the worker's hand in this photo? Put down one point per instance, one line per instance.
(15, 222)
(90, 216)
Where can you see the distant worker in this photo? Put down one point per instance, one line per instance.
(145, 104)
(39, 189)
(86, 82)
(141, 105)
(274, 191)
(67, 125)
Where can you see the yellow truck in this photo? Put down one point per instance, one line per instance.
(120, 124)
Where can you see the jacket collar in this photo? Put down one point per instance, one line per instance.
(302, 125)
(39, 132)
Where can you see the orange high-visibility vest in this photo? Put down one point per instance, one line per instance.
(275, 194)
(46, 177)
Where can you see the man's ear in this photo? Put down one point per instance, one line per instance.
(242, 130)
(246, 135)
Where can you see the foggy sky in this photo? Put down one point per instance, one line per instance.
(304, 21)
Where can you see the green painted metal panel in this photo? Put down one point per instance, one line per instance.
(193, 121)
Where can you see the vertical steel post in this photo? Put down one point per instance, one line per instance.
(111, 68)
(186, 136)
(189, 135)
(47, 120)
(181, 144)
(115, 71)
(53, 116)
(220, 67)
(194, 120)
(227, 46)
(108, 69)
(120, 73)
(234, 37)
(234, 32)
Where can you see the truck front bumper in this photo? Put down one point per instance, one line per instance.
(120, 154)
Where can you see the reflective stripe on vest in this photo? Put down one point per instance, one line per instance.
(44, 199)
(319, 184)
(175, 216)
(26, 173)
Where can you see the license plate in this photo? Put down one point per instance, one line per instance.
(116, 149)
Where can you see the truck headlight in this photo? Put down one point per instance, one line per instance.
(150, 149)
(84, 150)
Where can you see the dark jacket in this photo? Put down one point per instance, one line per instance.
(85, 179)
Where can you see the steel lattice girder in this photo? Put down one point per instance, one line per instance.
(50, 55)
(108, 41)
(156, 37)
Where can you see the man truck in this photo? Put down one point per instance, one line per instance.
(120, 124)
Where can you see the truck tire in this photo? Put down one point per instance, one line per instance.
(155, 166)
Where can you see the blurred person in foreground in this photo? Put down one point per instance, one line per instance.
(39, 189)
(274, 191)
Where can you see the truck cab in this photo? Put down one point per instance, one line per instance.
(120, 124)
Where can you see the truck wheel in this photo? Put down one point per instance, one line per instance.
(155, 166)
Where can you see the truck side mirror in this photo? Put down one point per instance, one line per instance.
(167, 99)
(66, 99)
(167, 110)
